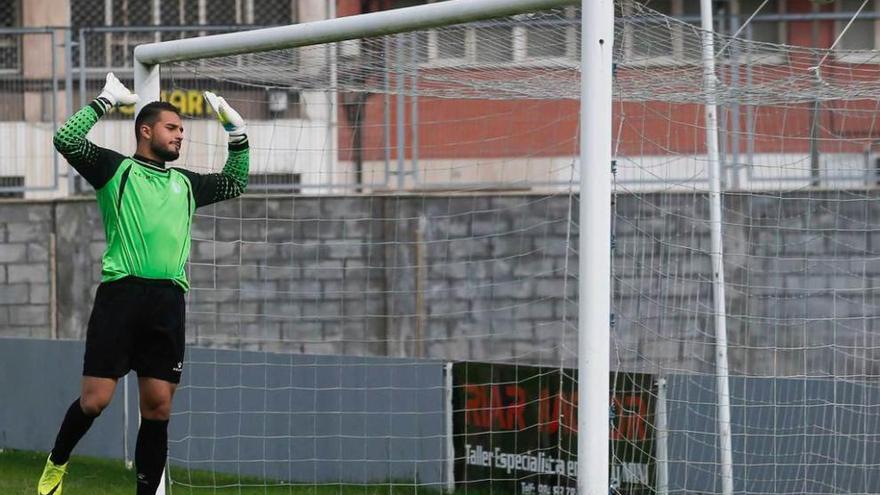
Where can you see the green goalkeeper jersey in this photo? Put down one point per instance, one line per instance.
(147, 209)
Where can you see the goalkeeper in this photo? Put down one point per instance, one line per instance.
(137, 321)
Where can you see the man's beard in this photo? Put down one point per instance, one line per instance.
(166, 154)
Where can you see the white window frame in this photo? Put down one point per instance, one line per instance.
(244, 14)
(13, 41)
(781, 27)
(781, 32)
(125, 39)
(857, 57)
(677, 41)
(279, 183)
(519, 46)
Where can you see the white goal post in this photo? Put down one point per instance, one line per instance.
(597, 45)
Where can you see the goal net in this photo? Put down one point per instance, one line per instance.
(393, 304)
(796, 129)
(410, 205)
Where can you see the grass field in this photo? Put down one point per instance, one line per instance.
(90, 476)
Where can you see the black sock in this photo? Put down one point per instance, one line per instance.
(76, 423)
(150, 454)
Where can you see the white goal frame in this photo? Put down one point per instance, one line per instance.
(594, 269)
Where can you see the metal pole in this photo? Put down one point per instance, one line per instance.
(814, 112)
(146, 83)
(735, 113)
(68, 95)
(401, 112)
(68, 71)
(450, 444)
(414, 107)
(82, 68)
(662, 436)
(421, 276)
(750, 112)
(333, 101)
(56, 184)
(386, 111)
(721, 365)
(594, 246)
(53, 277)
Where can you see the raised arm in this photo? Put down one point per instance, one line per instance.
(233, 179)
(97, 165)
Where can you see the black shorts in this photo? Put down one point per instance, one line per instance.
(136, 324)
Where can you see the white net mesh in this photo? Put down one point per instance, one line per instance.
(409, 205)
(796, 133)
(414, 203)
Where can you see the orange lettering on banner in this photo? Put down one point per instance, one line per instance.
(502, 407)
(552, 409)
(515, 417)
(498, 407)
(548, 412)
(632, 414)
(499, 418)
(475, 410)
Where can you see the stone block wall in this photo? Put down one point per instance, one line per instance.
(25, 237)
(489, 277)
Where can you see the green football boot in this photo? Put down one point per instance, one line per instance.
(52, 478)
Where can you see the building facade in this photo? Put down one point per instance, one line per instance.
(317, 139)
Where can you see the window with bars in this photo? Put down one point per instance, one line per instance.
(132, 22)
(11, 186)
(10, 44)
(275, 183)
(521, 39)
(670, 44)
(758, 30)
(863, 33)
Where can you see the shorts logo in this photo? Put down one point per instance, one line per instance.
(178, 368)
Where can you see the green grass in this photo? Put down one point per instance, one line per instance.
(19, 471)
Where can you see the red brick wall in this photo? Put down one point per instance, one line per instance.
(473, 128)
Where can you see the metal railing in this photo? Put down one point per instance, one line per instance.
(30, 87)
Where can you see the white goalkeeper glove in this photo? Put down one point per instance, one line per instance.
(228, 117)
(116, 93)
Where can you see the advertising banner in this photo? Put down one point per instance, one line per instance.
(515, 429)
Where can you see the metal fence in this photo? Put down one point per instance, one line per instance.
(31, 92)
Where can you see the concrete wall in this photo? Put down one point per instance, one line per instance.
(489, 277)
(789, 435)
(292, 417)
(801, 274)
(26, 230)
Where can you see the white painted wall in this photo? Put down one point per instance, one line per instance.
(277, 146)
(302, 146)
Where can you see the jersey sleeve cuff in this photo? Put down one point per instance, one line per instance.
(100, 105)
(238, 143)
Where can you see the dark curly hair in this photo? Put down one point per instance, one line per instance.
(150, 114)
